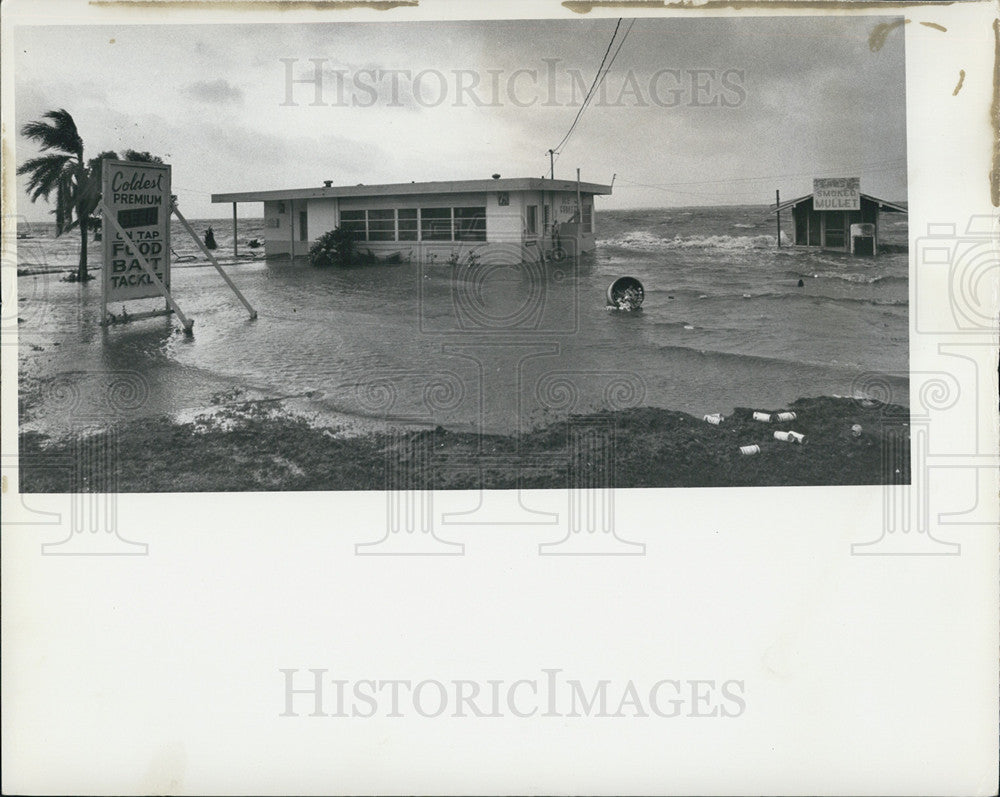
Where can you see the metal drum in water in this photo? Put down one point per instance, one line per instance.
(625, 293)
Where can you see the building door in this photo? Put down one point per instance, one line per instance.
(531, 220)
(303, 226)
(835, 232)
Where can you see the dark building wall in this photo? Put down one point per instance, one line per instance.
(830, 229)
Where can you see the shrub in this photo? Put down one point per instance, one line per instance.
(333, 248)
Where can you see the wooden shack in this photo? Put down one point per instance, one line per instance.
(852, 231)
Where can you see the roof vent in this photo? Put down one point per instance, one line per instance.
(496, 176)
(327, 183)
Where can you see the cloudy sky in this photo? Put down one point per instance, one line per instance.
(692, 112)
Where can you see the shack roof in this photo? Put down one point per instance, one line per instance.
(884, 204)
(405, 189)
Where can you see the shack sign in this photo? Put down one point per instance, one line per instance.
(837, 193)
(138, 196)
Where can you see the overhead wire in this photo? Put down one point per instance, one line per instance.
(600, 82)
(603, 75)
(590, 91)
(602, 72)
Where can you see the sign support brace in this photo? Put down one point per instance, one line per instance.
(211, 257)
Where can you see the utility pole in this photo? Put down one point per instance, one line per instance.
(777, 203)
(579, 204)
(552, 165)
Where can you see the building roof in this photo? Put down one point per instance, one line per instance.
(403, 189)
(884, 204)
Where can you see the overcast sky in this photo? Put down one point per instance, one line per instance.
(693, 112)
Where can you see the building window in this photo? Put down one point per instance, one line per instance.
(531, 220)
(545, 218)
(470, 224)
(435, 224)
(588, 218)
(408, 226)
(381, 225)
(281, 207)
(503, 198)
(354, 220)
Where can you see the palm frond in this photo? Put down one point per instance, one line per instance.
(60, 134)
(45, 172)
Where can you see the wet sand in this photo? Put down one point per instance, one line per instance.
(262, 445)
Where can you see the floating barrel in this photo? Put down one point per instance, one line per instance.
(626, 290)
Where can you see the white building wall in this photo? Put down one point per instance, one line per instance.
(507, 239)
(322, 217)
(413, 201)
(505, 223)
(277, 228)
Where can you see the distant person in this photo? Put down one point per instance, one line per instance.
(801, 284)
(210, 239)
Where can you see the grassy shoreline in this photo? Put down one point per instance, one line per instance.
(250, 448)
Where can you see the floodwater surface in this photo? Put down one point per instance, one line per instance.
(472, 347)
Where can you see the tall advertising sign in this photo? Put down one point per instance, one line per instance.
(137, 195)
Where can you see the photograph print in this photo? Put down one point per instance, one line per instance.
(502, 254)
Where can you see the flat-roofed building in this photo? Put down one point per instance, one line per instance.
(499, 220)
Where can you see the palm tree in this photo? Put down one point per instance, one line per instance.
(64, 172)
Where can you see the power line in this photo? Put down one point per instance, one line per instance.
(607, 69)
(590, 91)
(878, 166)
(663, 187)
(603, 75)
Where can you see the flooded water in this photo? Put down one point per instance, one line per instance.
(724, 324)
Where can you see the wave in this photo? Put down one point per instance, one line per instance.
(790, 295)
(644, 241)
(774, 366)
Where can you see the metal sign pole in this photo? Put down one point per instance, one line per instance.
(130, 244)
(104, 287)
(210, 256)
